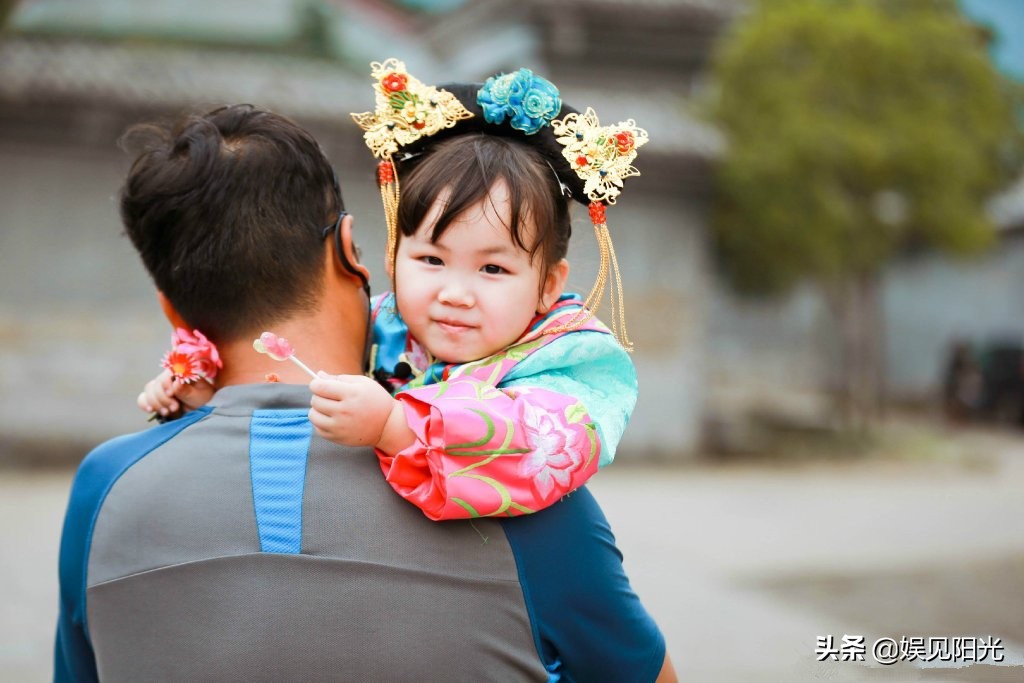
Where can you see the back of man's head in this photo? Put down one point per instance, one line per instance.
(227, 211)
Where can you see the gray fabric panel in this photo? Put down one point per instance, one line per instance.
(179, 591)
(349, 511)
(242, 399)
(226, 620)
(191, 499)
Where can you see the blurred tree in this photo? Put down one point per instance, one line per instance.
(314, 37)
(856, 129)
(5, 11)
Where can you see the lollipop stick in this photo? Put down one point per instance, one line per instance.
(303, 366)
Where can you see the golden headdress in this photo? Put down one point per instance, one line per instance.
(589, 160)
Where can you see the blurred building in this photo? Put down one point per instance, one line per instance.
(79, 329)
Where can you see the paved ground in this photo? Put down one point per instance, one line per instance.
(744, 566)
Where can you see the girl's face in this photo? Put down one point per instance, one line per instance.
(473, 292)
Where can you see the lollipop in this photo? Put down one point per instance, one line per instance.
(279, 348)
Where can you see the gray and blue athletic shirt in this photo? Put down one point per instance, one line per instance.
(236, 545)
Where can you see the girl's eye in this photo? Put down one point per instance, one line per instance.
(432, 260)
(492, 269)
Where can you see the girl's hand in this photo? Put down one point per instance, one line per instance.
(353, 410)
(166, 396)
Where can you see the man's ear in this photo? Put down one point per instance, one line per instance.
(171, 312)
(554, 285)
(348, 246)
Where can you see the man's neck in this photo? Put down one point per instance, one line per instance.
(320, 343)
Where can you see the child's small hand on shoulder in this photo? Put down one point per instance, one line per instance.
(354, 410)
(167, 396)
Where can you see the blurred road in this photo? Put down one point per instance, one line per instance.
(743, 566)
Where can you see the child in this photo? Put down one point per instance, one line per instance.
(509, 393)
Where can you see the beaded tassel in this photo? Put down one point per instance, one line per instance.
(389, 195)
(609, 265)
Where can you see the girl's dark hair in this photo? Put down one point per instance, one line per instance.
(467, 167)
(227, 212)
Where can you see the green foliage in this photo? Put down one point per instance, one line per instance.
(855, 129)
(6, 6)
(314, 37)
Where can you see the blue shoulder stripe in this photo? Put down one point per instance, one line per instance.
(97, 474)
(278, 450)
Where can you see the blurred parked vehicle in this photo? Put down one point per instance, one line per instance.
(1002, 396)
(985, 382)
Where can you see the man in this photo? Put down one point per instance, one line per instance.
(234, 544)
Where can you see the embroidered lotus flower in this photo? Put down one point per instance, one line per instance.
(529, 101)
(554, 458)
(192, 356)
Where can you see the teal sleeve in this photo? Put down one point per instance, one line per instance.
(592, 367)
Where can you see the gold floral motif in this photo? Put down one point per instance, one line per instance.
(406, 110)
(601, 155)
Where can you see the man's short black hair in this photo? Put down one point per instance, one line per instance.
(227, 211)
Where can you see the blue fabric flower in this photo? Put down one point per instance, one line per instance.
(531, 102)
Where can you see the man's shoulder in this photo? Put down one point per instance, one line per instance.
(571, 569)
(573, 530)
(578, 507)
(104, 464)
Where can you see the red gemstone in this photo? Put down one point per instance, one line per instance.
(597, 213)
(624, 142)
(385, 173)
(394, 82)
(581, 160)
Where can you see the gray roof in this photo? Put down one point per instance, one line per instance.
(720, 7)
(165, 76)
(251, 21)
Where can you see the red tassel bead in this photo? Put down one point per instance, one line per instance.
(597, 213)
(385, 173)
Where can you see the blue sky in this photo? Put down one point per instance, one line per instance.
(1006, 17)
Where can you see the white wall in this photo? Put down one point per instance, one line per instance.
(79, 327)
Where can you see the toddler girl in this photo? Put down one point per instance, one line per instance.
(508, 392)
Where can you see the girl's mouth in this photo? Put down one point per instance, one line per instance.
(452, 326)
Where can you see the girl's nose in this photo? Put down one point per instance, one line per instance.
(456, 293)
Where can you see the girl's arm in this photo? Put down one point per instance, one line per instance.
(511, 449)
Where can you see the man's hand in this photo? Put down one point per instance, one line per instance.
(353, 410)
(166, 396)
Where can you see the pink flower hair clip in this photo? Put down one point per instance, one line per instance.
(279, 349)
(192, 357)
